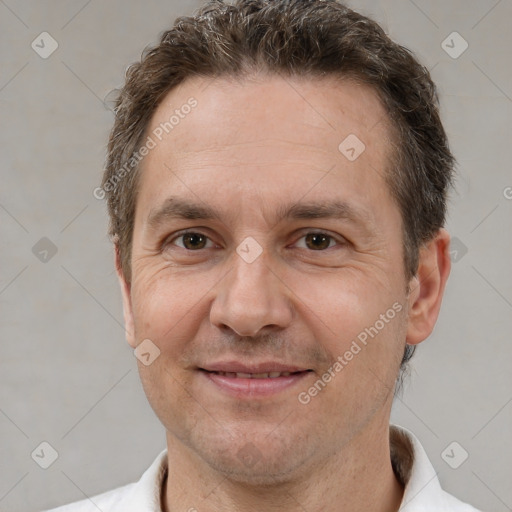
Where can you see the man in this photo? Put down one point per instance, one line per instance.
(276, 181)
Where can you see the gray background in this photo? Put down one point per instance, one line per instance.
(67, 375)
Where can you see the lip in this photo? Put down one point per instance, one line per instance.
(252, 388)
(262, 367)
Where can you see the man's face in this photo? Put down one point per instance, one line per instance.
(255, 291)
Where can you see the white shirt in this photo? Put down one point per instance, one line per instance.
(422, 492)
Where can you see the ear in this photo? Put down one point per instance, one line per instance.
(127, 300)
(427, 287)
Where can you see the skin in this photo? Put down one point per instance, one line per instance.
(248, 148)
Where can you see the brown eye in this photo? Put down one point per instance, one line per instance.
(318, 241)
(192, 241)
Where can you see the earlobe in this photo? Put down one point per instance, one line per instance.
(427, 287)
(127, 302)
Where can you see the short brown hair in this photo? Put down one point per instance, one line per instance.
(305, 38)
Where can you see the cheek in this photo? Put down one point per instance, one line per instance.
(343, 305)
(165, 389)
(168, 307)
(362, 327)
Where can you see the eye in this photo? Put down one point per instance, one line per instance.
(318, 241)
(191, 241)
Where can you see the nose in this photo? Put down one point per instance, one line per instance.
(252, 298)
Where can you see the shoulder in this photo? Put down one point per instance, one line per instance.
(105, 501)
(422, 488)
(453, 503)
(139, 496)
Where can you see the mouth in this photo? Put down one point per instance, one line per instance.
(253, 382)
(242, 375)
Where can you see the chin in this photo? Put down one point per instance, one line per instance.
(265, 473)
(263, 460)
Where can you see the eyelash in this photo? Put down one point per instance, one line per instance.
(188, 232)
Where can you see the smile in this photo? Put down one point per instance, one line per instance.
(252, 385)
(270, 375)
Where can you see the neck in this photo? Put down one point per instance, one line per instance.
(357, 477)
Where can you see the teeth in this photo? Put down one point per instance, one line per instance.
(271, 375)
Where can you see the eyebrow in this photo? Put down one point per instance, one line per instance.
(175, 208)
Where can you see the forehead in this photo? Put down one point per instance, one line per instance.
(269, 105)
(265, 132)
